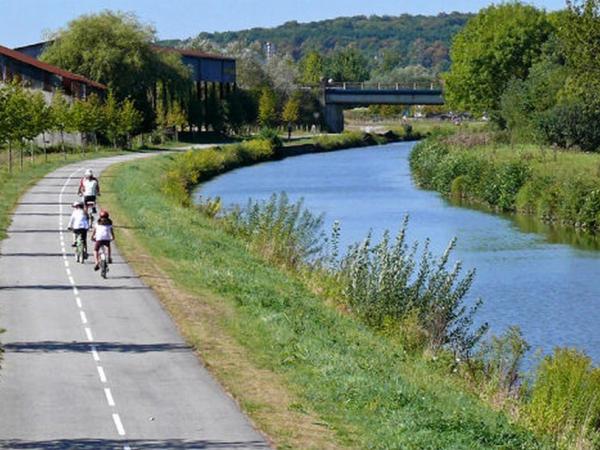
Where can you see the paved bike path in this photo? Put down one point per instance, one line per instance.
(92, 363)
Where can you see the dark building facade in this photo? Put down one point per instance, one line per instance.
(35, 74)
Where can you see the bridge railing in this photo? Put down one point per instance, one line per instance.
(381, 86)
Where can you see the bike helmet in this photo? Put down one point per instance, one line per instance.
(104, 213)
(89, 173)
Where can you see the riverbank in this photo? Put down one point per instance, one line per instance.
(309, 375)
(554, 186)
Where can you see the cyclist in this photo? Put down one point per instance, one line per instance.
(102, 234)
(89, 188)
(79, 224)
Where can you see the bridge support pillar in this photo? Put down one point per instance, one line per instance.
(334, 118)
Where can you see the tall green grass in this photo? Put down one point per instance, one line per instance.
(364, 385)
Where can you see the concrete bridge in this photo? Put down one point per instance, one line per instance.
(336, 97)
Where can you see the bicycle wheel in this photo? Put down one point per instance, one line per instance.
(103, 267)
(79, 249)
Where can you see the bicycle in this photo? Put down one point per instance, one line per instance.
(91, 208)
(80, 253)
(103, 261)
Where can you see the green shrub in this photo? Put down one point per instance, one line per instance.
(255, 150)
(570, 125)
(460, 187)
(425, 159)
(509, 179)
(565, 400)
(282, 232)
(271, 135)
(502, 357)
(589, 214)
(387, 282)
(195, 166)
(528, 198)
(346, 139)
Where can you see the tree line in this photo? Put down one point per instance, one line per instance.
(387, 42)
(25, 115)
(535, 73)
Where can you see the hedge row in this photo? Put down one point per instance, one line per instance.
(555, 190)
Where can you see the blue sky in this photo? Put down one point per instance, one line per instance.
(24, 21)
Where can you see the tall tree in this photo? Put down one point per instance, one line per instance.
(112, 119)
(115, 49)
(130, 120)
(267, 108)
(348, 65)
(5, 121)
(61, 117)
(579, 33)
(176, 118)
(18, 111)
(291, 110)
(312, 68)
(500, 43)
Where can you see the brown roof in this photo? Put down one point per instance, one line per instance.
(13, 54)
(193, 53)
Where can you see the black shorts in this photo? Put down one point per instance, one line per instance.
(89, 199)
(83, 233)
(99, 244)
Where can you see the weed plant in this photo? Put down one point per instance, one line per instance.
(565, 400)
(282, 232)
(385, 283)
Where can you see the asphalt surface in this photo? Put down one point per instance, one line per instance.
(92, 363)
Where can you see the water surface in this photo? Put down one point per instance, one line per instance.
(538, 281)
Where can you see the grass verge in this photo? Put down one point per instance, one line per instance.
(337, 383)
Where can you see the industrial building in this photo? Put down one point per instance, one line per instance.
(35, 74)
(208, 71)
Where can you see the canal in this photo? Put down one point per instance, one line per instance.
(546, 281)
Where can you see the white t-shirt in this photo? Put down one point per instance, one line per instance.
(78, 220)
(89, 187)
(103, 232)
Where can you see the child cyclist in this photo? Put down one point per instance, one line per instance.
(79, 224)
(102, 234)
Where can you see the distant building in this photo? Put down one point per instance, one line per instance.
(211, 73)
(206, 67)
(47, 79)
(270, 50)
(37, 75)
(219, 71)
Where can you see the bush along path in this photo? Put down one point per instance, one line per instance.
(242, 304)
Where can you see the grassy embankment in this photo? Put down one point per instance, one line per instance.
(559, 187)
(14, 185)
(307, 373)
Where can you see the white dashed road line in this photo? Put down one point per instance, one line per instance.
(109, 397)
(101, 374)
(84, 319)
(118, 424)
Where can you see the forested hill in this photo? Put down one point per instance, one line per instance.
(401, 40)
